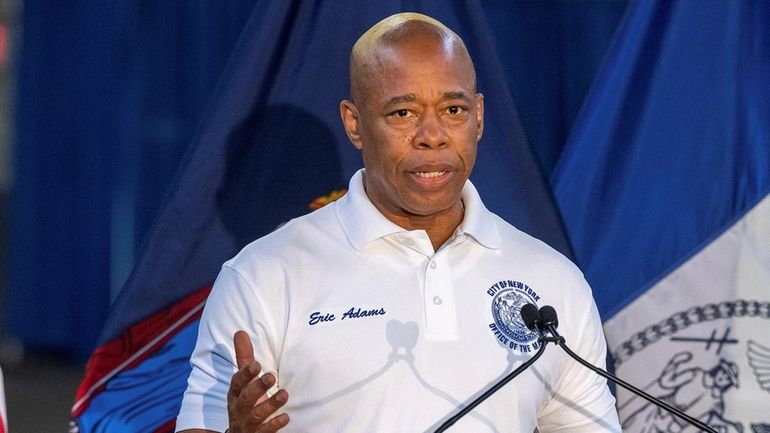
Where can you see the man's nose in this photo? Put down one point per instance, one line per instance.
(431, 132)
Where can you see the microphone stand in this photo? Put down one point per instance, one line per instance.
(559, 341)
(544, 340)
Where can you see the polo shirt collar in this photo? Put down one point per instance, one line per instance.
(478, 222)
(363, 223)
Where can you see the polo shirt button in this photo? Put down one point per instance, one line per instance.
(433, 265)
(437, 300)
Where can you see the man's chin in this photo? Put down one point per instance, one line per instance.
(430, 209)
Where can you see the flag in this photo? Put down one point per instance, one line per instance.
(272, 143)
(664, 187)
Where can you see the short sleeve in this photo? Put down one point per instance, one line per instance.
(232, 305)
(581, 400)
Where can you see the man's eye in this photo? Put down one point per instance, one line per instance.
(401, 113)
(454, 109)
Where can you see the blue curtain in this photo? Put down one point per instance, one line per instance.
(109, 96)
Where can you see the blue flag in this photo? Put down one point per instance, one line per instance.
(271, 148)
(664, 188)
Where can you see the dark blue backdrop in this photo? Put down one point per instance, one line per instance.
(109, 96)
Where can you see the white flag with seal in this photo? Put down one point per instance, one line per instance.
(664, 188)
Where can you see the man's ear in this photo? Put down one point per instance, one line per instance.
(479, 115)
(350, 120)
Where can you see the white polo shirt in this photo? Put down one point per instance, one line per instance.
(370, 330)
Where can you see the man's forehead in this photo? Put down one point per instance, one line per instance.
(417, 77)
(397, 64)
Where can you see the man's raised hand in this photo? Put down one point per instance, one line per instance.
(248, 405)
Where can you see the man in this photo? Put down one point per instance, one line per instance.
(391, 308)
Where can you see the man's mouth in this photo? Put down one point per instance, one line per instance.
(431, 178)
(429, 174)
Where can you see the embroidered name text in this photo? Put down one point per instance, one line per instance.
(358, 312)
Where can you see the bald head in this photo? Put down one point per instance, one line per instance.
(397, 31)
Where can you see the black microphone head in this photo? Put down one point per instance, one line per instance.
(530, 315)
(548, 316)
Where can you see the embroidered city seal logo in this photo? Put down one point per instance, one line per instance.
(508, 296)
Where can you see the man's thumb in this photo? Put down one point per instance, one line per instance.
(244, 351)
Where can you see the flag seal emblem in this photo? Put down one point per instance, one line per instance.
(710, 361)
(508, 296)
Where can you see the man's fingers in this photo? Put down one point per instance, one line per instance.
(274, 424)
(244, 351)
(266, 409)
(257, 388)
(247, 396)
(248, 367)
(242, 378)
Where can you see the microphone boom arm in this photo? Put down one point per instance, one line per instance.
(559, 340)
(448, 423)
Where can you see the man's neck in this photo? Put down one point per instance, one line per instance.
(439, 228)
(439, 225)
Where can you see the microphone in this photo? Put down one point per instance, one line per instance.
(531, 317)
(548, 316)
(549, 322)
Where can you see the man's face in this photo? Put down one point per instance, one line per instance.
(417, 126)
